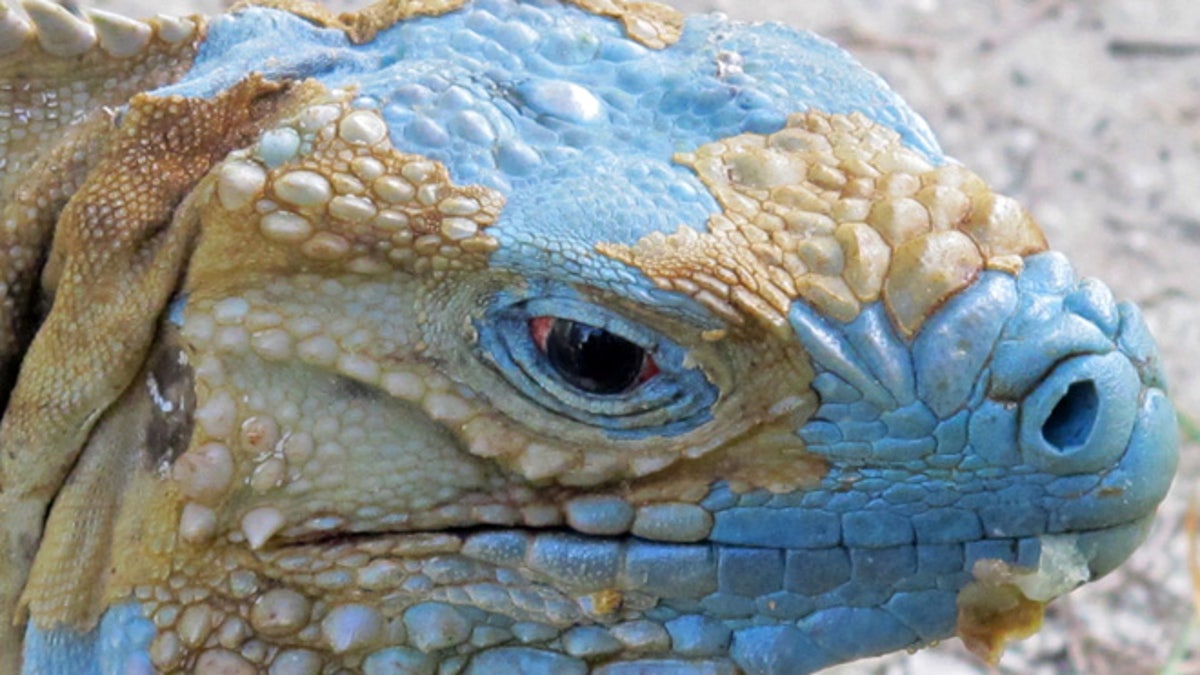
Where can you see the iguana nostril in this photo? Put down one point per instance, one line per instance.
(1071, 421)
(1079, 417)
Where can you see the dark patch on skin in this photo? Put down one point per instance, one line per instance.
(169, 384)
(354, 389)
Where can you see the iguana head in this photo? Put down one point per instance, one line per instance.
(518, 337)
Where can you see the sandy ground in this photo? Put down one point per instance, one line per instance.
(1088, 111)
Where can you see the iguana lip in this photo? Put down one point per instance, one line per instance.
(328, 539)
(333, 539)
(266, 526)
(562, 554)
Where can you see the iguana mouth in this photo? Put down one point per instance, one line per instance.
(560, 577)
(1103, 548)
(327, 540)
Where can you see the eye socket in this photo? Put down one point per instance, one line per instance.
(580, 360)
(591, 358)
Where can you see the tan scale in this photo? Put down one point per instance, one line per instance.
(362, 25)
(45, 92)
(343, 200)
(833, 210)
(113, 266)
(58, 108)
(653, 24)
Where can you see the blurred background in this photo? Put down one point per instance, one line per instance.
(1088, 112)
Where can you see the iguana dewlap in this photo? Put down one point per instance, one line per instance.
(528, 337)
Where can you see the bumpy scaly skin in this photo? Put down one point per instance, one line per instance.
(277, 369)
(836, 212)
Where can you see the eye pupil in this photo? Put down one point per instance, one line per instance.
(591, 358)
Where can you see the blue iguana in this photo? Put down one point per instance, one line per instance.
(528, 336)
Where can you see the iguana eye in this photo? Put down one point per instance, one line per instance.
(591, 358)
(582, 361)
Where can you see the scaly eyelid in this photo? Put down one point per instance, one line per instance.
(672, 396)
